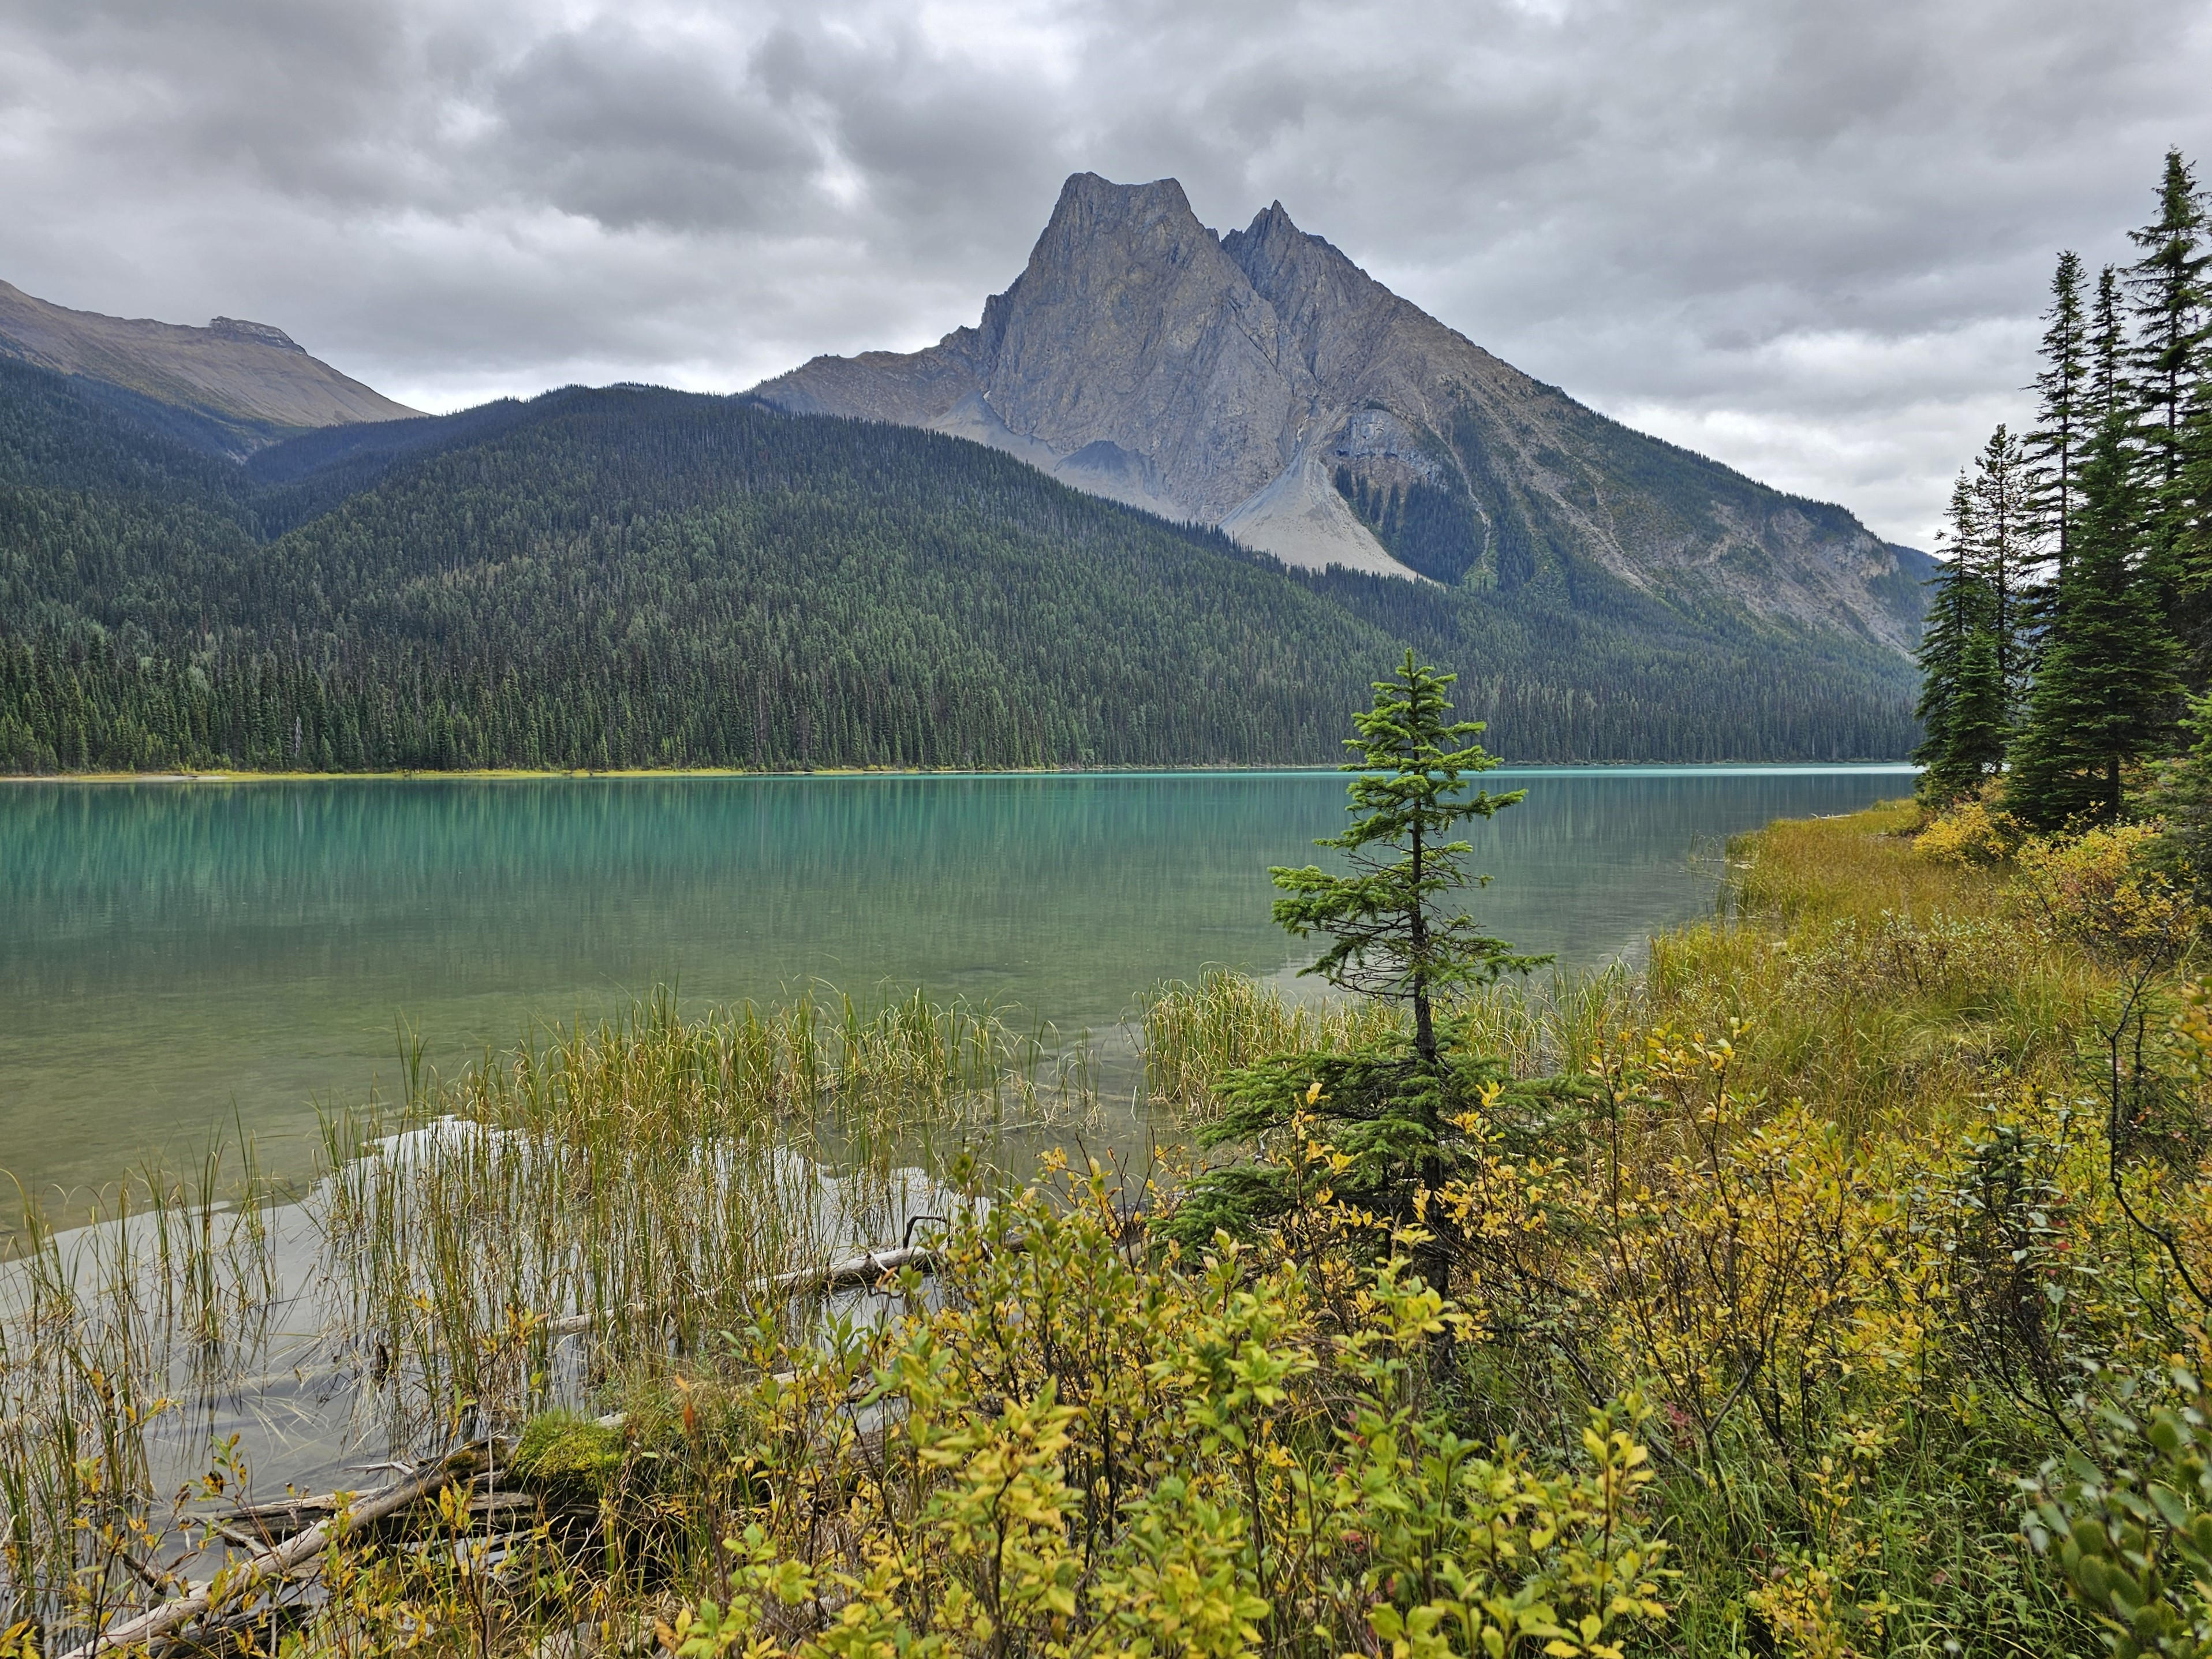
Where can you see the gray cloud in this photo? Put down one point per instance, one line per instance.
(1809, 240)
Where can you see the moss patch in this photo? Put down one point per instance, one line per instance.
(564, 1452)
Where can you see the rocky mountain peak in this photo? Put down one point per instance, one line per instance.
(1109, 253)
(1263, 382)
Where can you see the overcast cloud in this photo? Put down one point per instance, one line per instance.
(1809, 239)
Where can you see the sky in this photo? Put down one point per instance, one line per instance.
(1809, 240)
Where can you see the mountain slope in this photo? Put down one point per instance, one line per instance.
(247, 382)
(631, 578)
(1264, 383)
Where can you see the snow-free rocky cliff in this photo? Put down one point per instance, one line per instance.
(1262, 382)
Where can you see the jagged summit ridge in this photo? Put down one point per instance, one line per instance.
(1263, 382)
(1133, 357)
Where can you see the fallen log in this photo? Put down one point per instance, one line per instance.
(860, 1270)
(280, 1561)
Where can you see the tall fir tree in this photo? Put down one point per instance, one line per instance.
(2167, 303)
(2062, 388)
(2108, 346)
(1961, 709)
(2002, 548)
(2106, 688)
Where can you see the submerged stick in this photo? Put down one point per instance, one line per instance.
(281, 1560)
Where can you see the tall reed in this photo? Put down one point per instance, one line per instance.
(1195, 1034)
(117, 1336)
(644, 1179)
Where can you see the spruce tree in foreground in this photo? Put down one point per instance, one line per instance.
(1392, 932)
(1388, 933)
(2106, 688)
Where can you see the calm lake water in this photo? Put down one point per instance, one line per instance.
(177, 959)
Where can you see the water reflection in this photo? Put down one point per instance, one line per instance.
(176, 956)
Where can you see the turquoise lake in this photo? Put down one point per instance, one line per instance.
(181, 959)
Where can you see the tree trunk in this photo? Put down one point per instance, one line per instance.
(1433, 1261)
(1425, 1033)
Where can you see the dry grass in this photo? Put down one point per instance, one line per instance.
(1878, 986)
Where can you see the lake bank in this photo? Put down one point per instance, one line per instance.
(1562, 768)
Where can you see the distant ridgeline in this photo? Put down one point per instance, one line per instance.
(640, 578)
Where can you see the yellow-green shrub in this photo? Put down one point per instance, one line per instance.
(1972, 833)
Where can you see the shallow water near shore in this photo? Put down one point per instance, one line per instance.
(181, 960)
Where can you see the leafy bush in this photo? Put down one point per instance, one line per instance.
(1973, 832)
(1086, 1449)
(2131, 1527)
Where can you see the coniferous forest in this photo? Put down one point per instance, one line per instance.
(2068, 652)
(629, 578)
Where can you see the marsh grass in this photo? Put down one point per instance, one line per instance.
(645, 1178)
(598, 1207)
(1194, 1036)
(117, 1334)
(1887, 989)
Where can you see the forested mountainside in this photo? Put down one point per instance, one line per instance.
(630, 577)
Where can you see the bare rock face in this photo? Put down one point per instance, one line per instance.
(249, 374)
(1264, 383)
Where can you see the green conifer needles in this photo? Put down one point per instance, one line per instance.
(1386, 936)
(1389, 1114)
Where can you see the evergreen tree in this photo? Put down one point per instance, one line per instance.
(1981, 715)
(2190, 504)
(2062, 388)
(2106, 688)
(1389, 935)
(2003, 547)
(2108, 345)
(2168, 300)
(1952, 750)
(2184, 801)
(2167, 295)
(1393, 934)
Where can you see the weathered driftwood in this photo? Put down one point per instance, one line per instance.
(281, 1519)
(280, 1561)
(860, 1270)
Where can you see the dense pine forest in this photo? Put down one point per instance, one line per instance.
(2068, 656)
(638, 577)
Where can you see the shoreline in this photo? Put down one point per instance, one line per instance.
(1902, 768)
